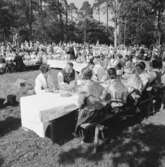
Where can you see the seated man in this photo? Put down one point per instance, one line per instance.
(67, 78)
(116, 89)
(155, 73)
(44, 82)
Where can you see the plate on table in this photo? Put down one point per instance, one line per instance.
(56, 91)
(65, 94)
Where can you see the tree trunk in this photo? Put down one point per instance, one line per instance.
(30, 21)
(66, 25)
(61, 21)
(41, 18)
(116, 24)
(107, 15)
(115, 36)
(4, 36)
(62, 28)
(159, 28)
(85, 30)
(71, 15)
(99, 13)
(125, 26)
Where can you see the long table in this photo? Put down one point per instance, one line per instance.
(38, 110)
(61, 64)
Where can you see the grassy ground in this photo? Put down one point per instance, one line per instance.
(134, 145)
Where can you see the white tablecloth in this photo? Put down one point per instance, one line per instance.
(61, 64)
(38, 110)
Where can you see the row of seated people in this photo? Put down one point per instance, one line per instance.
(68, 78)
(94, 94)
(96, 100)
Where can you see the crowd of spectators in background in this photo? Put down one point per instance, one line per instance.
(15, 57)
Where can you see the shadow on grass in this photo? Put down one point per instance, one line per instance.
(8, 125)
(1, 161)
(63, 128)
(140, 146)
(2, 105)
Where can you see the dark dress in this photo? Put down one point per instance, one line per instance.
(91, 110)
(19, 63)
(71, 53)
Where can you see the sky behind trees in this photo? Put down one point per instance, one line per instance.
(78, 3)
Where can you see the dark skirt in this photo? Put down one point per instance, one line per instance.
(91, 114)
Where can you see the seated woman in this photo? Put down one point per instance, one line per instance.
(44, 82)
(89, 86)
(116, 89)
(89, 66)
(90, 100)
(133, 83)
(67, 78)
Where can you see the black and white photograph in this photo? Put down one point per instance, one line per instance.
(82, 83)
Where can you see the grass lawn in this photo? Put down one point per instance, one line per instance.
(137, 145)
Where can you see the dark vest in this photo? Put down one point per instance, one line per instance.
(68, 77)
(157, 80)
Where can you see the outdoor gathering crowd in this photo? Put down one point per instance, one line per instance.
(112, 78)
(107, 82)
(15, 57)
